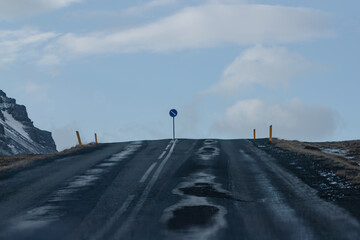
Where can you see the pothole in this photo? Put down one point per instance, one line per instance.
(209, 141)
(208, 152)
(206, 190)
(192, 216)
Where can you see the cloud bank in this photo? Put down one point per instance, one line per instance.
(291, 120)
(204, 26)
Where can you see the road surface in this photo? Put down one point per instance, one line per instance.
(183, 189)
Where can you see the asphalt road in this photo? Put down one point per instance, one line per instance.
(183, 189)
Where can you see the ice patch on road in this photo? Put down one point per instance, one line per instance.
(82, 181)
(95, 171)
(41, 216)
(36, 218)
(93, 174)
(106, 164)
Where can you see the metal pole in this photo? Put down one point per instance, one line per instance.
(174, 128)
(270, 137)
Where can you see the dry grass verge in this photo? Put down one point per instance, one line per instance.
(23, 160)
(347, 166)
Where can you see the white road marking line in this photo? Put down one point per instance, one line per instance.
(162, 155)
(143, 179)
(167, 147)
(143, 196)
(110, 223)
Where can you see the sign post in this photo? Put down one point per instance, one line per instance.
(173, 113)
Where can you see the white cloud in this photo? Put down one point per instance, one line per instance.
(208, 25)
(22, 43)
(149, 6)
(291, 120)
(201, 27)
(33, 87)
(18, 8)
(258, 65)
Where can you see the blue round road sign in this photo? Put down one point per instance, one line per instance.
(173, 113)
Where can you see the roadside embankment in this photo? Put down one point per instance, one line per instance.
(15, 162)
(342, 157)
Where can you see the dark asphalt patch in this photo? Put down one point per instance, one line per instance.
(192, 216)
(206, 190)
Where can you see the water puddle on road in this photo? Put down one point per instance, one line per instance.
(189, 216)
(208, 152)
(194, 217)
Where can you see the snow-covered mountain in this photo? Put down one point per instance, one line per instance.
(17, 131)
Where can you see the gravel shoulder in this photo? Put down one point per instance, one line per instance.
(342, 157)
(335, 178)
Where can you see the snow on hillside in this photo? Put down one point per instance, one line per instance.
(18, 133)
(16, 125)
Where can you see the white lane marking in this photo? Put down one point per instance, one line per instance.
(162, 155)
(109, 224)
(167, 147)
(143, 179)
(143, 196)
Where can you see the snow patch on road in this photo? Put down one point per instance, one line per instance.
(92, 175)
(51, 211)
(36, 218)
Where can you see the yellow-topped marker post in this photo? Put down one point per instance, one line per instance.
(78, 137)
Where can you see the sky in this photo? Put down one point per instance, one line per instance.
(116, 68)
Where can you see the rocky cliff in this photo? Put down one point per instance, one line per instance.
(18, 133)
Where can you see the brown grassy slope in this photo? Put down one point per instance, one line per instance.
(344, 166)
(22, 160)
